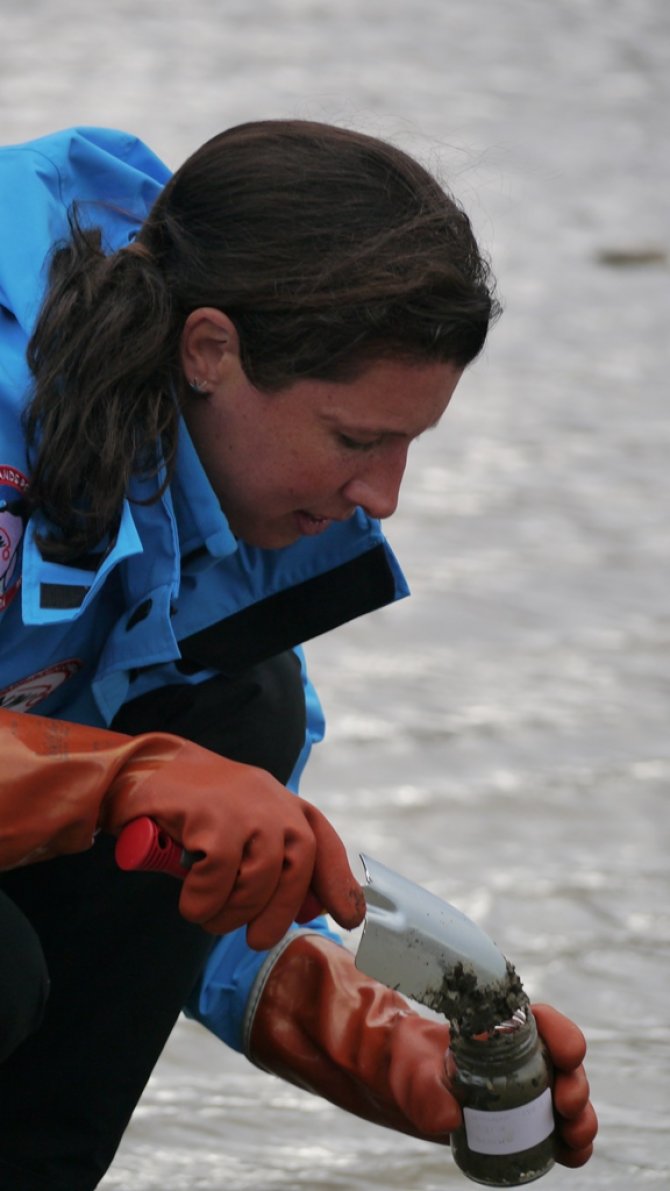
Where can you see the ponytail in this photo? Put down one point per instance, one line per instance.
(103, 407)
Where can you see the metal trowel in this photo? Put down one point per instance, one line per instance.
(412, 940)
(415, 942)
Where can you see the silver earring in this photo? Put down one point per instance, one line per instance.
(197, 386)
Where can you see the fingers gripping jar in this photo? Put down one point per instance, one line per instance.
(502, 1079)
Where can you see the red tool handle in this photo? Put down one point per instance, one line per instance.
(143, 845)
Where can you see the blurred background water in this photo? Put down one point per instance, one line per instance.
(502, 737)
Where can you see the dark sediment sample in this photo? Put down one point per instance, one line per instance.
(472, 1009)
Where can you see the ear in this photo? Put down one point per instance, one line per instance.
(209, 344)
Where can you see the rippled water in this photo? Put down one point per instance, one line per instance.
(503, 736)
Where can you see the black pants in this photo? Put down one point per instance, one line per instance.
(121, 960)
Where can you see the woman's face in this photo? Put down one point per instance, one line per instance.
(286, 464)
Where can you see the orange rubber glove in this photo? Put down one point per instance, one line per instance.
(263, 847)
(321, 1024)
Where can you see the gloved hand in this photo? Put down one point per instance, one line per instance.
(262, 847)
(321, 1024)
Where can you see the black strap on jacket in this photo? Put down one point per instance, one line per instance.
(289, 617)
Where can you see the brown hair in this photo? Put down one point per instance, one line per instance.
(327, 248)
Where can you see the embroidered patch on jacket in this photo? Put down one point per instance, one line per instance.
(13, 484)
(28, 692)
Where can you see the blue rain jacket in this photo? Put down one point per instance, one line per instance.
(78, 641)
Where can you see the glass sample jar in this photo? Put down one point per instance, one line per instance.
(502, 1079)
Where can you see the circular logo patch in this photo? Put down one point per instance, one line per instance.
(13, 484)
(28, 692)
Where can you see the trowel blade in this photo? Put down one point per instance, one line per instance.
(413, 941)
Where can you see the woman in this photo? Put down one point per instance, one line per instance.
(209, 385)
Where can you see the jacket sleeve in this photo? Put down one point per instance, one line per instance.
(223, 999)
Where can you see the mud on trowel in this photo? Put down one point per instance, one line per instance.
(433, 953)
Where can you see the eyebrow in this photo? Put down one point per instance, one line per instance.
(345, 423)
(380, 431)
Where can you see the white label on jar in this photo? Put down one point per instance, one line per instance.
(510, 1131)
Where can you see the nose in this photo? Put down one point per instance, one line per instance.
(376, 487)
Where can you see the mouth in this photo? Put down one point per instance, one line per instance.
(308, 525)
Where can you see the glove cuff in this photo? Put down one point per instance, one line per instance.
(259, 986)
(319, 1023)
